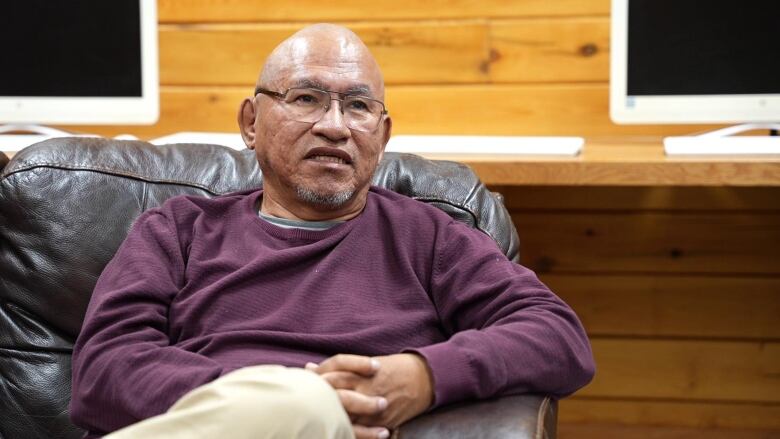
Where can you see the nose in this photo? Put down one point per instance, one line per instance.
(332, 124)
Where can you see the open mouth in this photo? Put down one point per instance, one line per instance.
(329, 155)
(328, 158)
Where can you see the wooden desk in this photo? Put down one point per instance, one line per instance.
(622, 161)
(626, 162)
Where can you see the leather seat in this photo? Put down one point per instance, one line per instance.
(67, 204)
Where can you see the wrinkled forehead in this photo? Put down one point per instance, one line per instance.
(336, 64)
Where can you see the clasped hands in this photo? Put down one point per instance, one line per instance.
(378, 393)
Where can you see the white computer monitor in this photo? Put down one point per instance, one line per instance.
(79, 62)
(693, 61)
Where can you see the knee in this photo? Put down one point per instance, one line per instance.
(306, 393)
(293, 402)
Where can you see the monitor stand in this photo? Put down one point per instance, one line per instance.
(724, 142)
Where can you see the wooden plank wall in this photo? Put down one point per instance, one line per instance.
(678, 287)
(524, 67)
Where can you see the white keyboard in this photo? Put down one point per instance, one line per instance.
(232, 140)
(487, 145)
(722, 146)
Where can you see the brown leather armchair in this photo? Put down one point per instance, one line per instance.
(66, 205)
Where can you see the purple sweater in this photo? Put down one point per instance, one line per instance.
(201, 287)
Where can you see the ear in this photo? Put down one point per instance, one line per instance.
(387, 125)
(246, 122)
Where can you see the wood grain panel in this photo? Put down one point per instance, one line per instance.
(550, 50)
(216, 55)
(199, 11)
(441, 52)
(673, 306)
(670, 413)
(640, 198)
(686, 370)
(620, 170)
(539, 109)
(649, 242)
(448, 109)
(408, 52)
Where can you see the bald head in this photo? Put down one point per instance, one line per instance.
(321, 47)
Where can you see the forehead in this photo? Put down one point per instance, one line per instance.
(336, 65)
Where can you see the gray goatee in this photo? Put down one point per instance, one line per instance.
(332, 201)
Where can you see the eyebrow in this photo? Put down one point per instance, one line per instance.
(357, 89)
(308, 83)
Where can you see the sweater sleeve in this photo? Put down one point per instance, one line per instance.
(124, 366)
(509, 332)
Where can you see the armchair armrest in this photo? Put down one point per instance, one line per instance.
(510, 417)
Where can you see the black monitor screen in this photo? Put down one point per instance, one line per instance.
(694, 47)
(89, 48)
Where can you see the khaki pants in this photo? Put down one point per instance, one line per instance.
(253, 402)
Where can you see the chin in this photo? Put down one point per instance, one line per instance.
(329, 200)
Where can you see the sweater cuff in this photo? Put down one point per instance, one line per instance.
(452, 373)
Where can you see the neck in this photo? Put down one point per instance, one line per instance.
(273, 205)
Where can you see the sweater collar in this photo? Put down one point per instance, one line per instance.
(253, 205)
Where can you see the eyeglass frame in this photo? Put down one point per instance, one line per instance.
(281, 96)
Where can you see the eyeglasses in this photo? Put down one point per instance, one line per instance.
(310, 105)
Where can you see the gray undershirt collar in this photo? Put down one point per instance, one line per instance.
(299, 224)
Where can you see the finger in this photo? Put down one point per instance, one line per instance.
(359, 364)
(356, 403)
(342, 380)
(363, 432)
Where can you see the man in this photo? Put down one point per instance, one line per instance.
(317, 306)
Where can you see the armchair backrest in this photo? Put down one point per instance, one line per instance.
(67, 204)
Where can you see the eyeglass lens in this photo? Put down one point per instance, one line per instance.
(310, 105)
